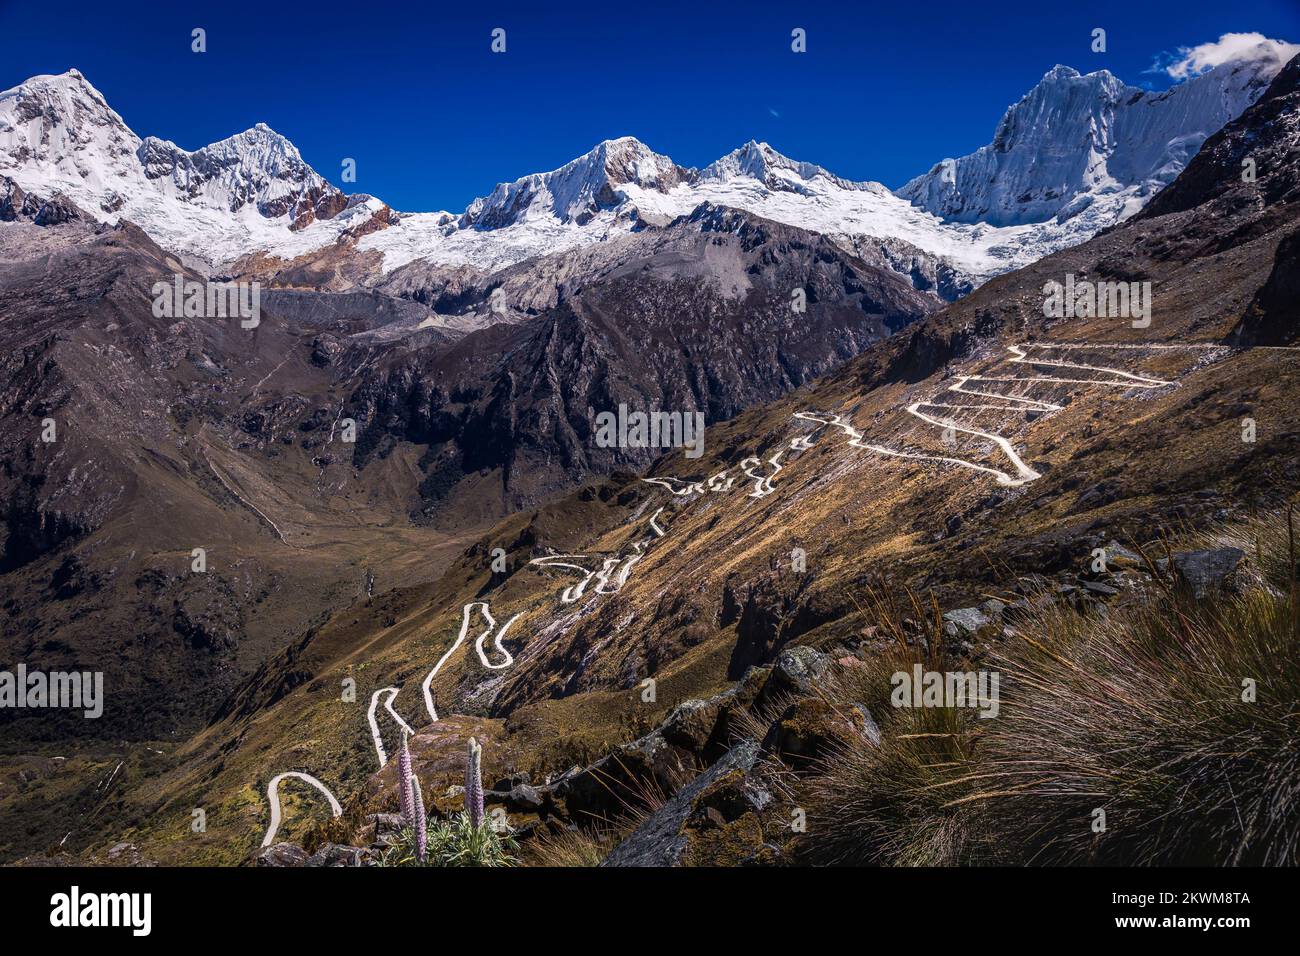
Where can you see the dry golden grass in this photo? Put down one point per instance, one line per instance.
(570, 848)
(1143, 713)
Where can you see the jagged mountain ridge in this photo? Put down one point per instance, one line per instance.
(59, 135)
(253, 195)
(258, 167)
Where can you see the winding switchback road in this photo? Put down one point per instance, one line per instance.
(478, 646)
(273, 795)
(375, 735)
(983, 398)
(1011, 403)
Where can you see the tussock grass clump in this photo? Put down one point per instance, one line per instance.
(1146, 715)
(456, 841)
(1179, 720)
(892, 803)
(575, 847)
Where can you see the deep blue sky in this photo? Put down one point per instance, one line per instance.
(433, 118)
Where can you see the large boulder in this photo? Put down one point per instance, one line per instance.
(334, 854)
(692, 722)
(1206, 572)
(706, 727)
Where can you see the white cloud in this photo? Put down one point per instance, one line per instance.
(1230, 48)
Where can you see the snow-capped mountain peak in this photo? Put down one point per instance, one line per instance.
(760, 162)
(1078, 139)
(581, 188)
(258, 167)
(56, 128)
(59, 135)
(628, 160)
(1076, 154)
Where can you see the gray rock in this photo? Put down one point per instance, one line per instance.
(964, 622)
(1118, 556)
(281, 855)
(658, 841)
(797, 671)
(523, 794)
(335, 854)
(1097, 587)
(757, 794)
(386, 824)
(1204, 572)
(870, 729)
(691, 723)
(521, 798)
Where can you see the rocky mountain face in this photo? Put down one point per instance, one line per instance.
(698, 317)
(1250, 167)
(1244, 164)
(1077, 141)
(978, 457)
(258, 167)
(16, 204)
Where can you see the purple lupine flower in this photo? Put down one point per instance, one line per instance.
(421, 824)
(474, 784)
(404, 789)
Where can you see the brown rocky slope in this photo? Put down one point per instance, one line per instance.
(982, 445)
